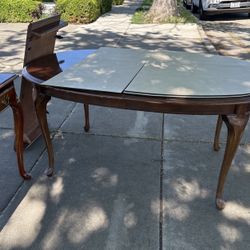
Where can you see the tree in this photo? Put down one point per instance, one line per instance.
(162, 9)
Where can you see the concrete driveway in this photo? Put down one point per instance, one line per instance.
(229, 34)
(137, 180)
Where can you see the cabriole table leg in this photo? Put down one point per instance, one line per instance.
(40, 106)
(235, 126)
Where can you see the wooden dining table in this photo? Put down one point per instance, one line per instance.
(155, 81)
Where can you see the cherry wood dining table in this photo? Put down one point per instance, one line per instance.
(155, 81)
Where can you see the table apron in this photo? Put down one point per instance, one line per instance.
(151, 104)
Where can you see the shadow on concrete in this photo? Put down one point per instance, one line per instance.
(190, 179)
(150, 40)
(96, 200)
(230, 44)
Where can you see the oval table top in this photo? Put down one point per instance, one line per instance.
(149, 73)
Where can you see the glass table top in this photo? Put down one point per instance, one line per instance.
(109, 70)
(5, 76)
(158, 73)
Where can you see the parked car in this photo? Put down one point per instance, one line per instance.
(187, 3)
(213, 7)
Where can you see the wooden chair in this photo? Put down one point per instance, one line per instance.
(8, 98)
(40, 42)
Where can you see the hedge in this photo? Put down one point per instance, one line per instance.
(82, 11)
(118, 2)
(19, 10)
(75, 11)
(106, 6)
(79, 11)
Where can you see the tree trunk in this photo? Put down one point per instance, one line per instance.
(162, 9)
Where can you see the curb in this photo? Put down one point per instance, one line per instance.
(205, 40)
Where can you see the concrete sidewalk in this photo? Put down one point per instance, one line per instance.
(137, 180)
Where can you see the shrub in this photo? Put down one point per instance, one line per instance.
(106, 6)
(19, 10)
(79, 11)
(118, 2)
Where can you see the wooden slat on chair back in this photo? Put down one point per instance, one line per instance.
(41, 36)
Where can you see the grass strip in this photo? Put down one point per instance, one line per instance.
(140, 16)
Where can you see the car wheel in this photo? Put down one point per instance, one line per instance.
(193, 7)
(248, 14)
(202, 15)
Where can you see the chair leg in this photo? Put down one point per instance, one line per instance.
(86, 113)
(18, 126)
(40, 107)
(217, 133)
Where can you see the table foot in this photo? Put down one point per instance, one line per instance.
(86, 128)
(50, 172)
(26, 176)
(220, 204)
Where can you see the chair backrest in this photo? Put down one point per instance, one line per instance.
(40, 41)
(41, 37)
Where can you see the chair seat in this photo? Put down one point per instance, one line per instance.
(53, 64)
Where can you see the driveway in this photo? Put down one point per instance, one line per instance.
(137, 180)
(230, 34)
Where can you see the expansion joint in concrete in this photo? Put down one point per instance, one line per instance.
(161, 187)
